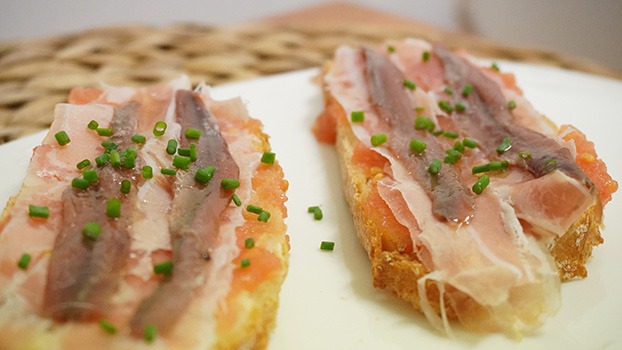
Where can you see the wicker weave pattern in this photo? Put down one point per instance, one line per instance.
(37, 74)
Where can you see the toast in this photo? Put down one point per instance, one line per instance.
(359, 89)
(188, 263)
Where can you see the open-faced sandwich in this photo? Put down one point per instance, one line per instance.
(149, 218)
(471, 205)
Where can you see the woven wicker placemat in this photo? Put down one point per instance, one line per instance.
(36, 74)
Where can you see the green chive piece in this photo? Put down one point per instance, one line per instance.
(183, 152)
(444, 105)
(435, 167)
(193, 152)
(181, 162)
(102, 160)
(108, 327)
(168, 171)
(494, 67)
(452, 156)
(246, 262)
(448, 90)
(159, 128)
(467, 90)
(229, 184)
(115, 158)
(80, 183)
(425, 56)
(62, 138)
(481, 184)
(390, 49)
(263, 216)
(424, 123)
(505, 145)
(460, 107)
(470, 143)
(93, 125)
(326, 245)
(147, 172)
(378, 139)
(204, 175)
(498, 165)
(90, 175)
(150, 332)
(24, 261)
(524, 155)
(91, 231)
(113, 208)
(317, 212)
(130, 161)
(194, 134)
(83, 164)
(419, 109)
(104, 131)
(550, 165)
(417, 146)
(249, 243)
(37, 211)
(254, 209)
(438, 133)
(236, 200)
(268, 158)
(163, 268)
(357, 116)
(126, 185)
(139, 139)
(171, 146)
(512, 104)
(449, 134)
(483, 168)
(458, 146)
(409, 84)
(109, 145)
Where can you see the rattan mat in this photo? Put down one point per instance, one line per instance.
(37, 74)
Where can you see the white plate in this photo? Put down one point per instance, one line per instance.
(327, 300)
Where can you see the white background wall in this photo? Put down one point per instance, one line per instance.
(591, 29)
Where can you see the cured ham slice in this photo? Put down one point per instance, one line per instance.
(475, 195)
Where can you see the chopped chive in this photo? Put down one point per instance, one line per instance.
(147, 172)
(102, 160)
(378, 139)
(83, 164)
(448, 90)
(236, 200)
(483, 168)
(163, 268)
(126, 185)
(499, 165)
(24, 261)
(505, 145)
(115, 158)
(449, 134)
(91, 231)
(435, 167)
(183, 152)
(512, 104)
(37, 211)
(113, 208)
(90, 175)
(249, 243)
(424, 123)
(159, 128)
(150, 332)
(130, 161)
(263, 216)
(550, 165)
(246, 262)
(460, 107)
(108, 327)
(467, 90)
(524, 155)
(139, 139)
(62, 138)
(168, 171)
(481, 184)
(357, 116)
(171, 146)
(409, 84)
(390, 49)
(317, 212)
(181, 162)
(494, 67)
(80, 183)
(193, 152)
(268, 158)
(425, 56)
(254, 209)
(438, 133)
(470, 143)
(326, 245)
(194, 134)
(419, 109)
(418, 146)
(204, 175)
(229, 184)
(444, 105)
(458, 146)
(104, 131)
(93, 125)
(452, 156)
(109, 145)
